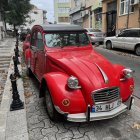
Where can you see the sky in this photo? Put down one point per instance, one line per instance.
(47, 5)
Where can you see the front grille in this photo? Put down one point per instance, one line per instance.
(106, 95)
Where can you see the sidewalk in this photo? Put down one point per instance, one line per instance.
(13, 124)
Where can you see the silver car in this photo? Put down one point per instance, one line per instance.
(96, 36)
(128, 39)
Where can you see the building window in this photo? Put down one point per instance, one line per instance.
(63, 10)
(124, 7)
(63, 19)
(63, 1)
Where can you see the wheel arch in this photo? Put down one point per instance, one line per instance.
(137, 45)
(109, 40)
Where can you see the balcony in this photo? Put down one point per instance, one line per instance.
(78, 8)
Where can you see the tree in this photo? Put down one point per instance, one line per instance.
(18, 12)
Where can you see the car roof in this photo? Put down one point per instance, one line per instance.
(60, 27)
(133, 29)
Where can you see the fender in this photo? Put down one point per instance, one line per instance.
(57, 85)
(126, 86)
(27, 55)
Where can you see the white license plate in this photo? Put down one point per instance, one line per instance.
(106, 107)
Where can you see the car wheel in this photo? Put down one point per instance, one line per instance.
(51, 111)
(109, 45)
(137, 51)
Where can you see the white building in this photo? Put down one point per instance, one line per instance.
(36, 16)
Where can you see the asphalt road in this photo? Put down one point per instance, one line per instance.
(128, 59)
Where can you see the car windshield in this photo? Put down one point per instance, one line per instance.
(94, 30)
(66, 39)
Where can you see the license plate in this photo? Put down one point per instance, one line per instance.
(106, 107)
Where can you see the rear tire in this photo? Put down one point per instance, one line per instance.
(51, 111)
(109, 45)
(29, 72)
(137, 50)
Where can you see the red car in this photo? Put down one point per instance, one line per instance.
(26, 43)
(76, 81)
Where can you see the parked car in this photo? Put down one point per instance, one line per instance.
(26, 43)
(128, 39)
(96, 35)
(76, 82)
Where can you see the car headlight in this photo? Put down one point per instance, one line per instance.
(128, 73)
(73, 83)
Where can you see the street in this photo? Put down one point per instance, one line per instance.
(40, 127)
(127, 59)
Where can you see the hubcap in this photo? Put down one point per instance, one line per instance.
(108, 45)
(138, 51)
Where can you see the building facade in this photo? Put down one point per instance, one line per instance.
(115, 15)
(86, 13)
(61, 11)
(36, 16)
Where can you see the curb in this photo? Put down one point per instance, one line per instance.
(13, 124)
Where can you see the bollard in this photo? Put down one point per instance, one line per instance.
(16, 104)
(16, 56)
(16, 67)
(17, 50)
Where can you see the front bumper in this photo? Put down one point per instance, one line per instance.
(89, 116)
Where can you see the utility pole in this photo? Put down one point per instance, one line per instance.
(127, 22)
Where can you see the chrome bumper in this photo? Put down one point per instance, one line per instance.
(82, 117)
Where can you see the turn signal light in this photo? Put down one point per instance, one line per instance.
(66, 102)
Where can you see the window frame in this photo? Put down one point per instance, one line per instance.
(124, 7)
(39, 48)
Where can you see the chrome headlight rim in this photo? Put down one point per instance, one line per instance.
(128, 72)
(73, 82)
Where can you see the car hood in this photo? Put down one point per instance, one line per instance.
(88, 66)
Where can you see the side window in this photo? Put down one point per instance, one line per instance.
(123, 34)
(134, 33)
(39, 41)
(33, 39)
(83, 38)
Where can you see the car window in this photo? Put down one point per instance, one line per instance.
(133, 33)
(122, 34)
(33, 39)
(130, 33)
(39, 41)
(66, 39)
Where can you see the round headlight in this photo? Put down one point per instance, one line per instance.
(73, 82)
(128, 73)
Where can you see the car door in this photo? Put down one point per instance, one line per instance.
(33, 51)
(40, 56)
(118, 41)
(131, 39)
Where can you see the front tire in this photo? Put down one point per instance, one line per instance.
(137, 50)
(51, 111)
(109, 45)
